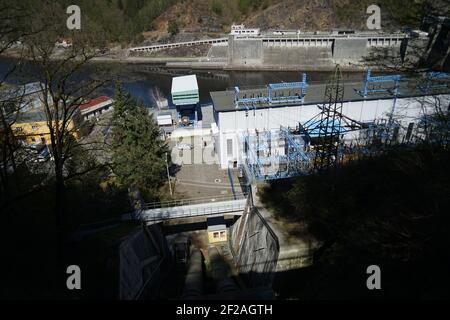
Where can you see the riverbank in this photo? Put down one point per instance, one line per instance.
(205, 63)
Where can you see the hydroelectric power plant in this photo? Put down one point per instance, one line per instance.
(279, 131)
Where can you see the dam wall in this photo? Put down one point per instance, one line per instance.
(248, 51)
(307, 52)
(303, 51)
(351, 49)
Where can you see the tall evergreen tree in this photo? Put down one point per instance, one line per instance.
(138, 153)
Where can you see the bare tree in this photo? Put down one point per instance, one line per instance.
(66, 80)
(13, 18)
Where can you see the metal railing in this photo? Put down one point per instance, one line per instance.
(194, 210)
(177, 44)
(192, 201)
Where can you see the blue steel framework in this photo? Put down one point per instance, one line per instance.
(274, 155)
(261, 163)
(369, 79)
(272, 97)
(435, 80)
(391, 126)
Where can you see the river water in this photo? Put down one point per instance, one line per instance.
(140, 79)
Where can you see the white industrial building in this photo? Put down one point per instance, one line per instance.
(185, 90)
(235, 120)
(185, 96)
(241, 30)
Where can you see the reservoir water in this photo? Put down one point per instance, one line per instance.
(140, 79)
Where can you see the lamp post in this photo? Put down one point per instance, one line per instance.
(168, 177)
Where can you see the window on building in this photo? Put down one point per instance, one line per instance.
(230, 147)
(222, 234)
(215, 235)
(34, 127)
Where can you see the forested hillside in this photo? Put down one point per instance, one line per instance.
(131, 21)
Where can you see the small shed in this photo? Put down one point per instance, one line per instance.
(217, 230)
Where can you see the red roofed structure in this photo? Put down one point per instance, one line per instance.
(96, 106)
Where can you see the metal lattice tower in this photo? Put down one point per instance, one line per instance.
(329, 127)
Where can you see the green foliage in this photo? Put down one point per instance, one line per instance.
(124, 20)
(217, 7)
(173, 27)
(121, 20)
(138, 151)
(246, 5)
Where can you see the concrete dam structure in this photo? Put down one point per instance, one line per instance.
(299, 51)
(307, 51)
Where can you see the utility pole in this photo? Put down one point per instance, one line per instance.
(327, 150)
(168, 177)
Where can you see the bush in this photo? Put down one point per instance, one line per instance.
(173, 27)
(217, 7)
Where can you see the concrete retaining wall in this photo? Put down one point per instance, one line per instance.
(264, 249)
(144, 257)
(255, 248)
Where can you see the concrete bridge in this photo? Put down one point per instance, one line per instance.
(179, 209)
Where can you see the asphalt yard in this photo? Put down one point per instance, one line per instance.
(205, 180)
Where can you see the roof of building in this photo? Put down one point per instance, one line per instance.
(217, 227)
(184, 83)
(223, 101)
(94, 102)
